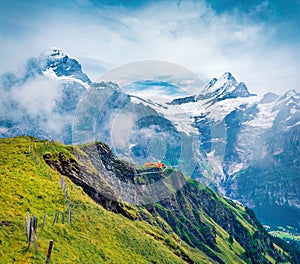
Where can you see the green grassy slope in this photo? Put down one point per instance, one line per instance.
(195, 225)
(94, 235)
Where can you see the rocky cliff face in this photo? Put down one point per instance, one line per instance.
(275, 199)
(196, 214)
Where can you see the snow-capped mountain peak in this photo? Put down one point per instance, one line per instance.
(221, 84)
(62, 65)
(289, 99)
(291, 94)
(227, 76)
(225, 87)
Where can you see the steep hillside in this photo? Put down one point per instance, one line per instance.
(94, 235)
(193, 225)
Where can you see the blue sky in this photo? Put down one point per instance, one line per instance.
(154, 88)
(257, 40)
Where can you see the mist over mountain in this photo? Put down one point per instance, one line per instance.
(42, 101)
(247, 146)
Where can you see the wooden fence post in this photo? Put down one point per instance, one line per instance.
(62, 182)
(55, 220)
(29, 232)
(70, 213)
(34, 223)
(27, 223)
(44, 221)
(49, 252)
(34, 239)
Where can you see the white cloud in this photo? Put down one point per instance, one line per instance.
(191, 35)
(35, 99)
(37, 96)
